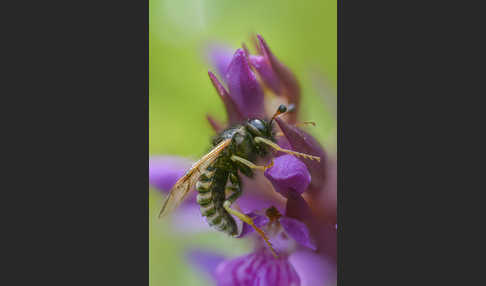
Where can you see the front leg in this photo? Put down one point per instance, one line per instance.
(250, 164)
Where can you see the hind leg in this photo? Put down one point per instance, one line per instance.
(236, 189)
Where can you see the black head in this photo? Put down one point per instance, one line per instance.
(263, 128)
(258, 127)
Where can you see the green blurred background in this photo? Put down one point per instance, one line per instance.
(303, 35)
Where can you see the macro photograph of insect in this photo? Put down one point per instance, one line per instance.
(242, 143)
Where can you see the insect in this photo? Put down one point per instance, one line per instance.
(216, 174)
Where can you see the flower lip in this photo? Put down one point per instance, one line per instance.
(258, 220)
(257, 268)
(298, 231)
(288, 174)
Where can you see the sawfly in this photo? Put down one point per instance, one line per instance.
(216, 174)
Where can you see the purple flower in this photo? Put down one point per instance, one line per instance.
(301, 268)
(287, 201)
(244, 88)
(259, 268)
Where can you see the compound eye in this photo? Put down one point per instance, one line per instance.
(257, 127)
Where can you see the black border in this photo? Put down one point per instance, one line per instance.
(339, 148)
(79, 202)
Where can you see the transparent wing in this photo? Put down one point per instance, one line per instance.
(185, 184)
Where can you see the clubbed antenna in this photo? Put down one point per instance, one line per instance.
(281, 109)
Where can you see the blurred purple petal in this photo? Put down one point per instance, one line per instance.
(305, 143)
(243, 86)
(297, 207)
(245, 48)
(164, 171)
(284, 143)
(285, 76)
(258, 220)
(327, 199)
(216, 125)
(257, 269)
(220, 57)
(252, 201)
(205, 261)
(187, 219)
(313, 269)
(233, 112)
(264, 69)
(288, 174)
(326, 237)
(298, 231)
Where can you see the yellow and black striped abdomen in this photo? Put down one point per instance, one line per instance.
(211, 196)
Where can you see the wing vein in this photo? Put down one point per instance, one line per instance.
(186, 183)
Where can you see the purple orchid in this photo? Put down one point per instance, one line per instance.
(293, 202)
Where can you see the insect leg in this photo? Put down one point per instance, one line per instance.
(278, 148)
(306, 123)
(280, 133)
(250, 164)
(249, 221)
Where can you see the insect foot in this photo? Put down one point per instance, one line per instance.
(249, 221)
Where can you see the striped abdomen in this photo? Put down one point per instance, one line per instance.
(211, 196)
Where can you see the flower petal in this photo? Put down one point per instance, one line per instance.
(257, 269)
(215, 124)
(285, 76)
(187, 219)
(259, 194)
(298, 231)
(326, 237)
(313, 269)
(297, 207)
(233, 112)
(164, 171)
(265, 70)
(288, 174)
(327, 199)
(305, 143)
(243, 86)
(220, 57)
(258, 220)
(205, 261)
